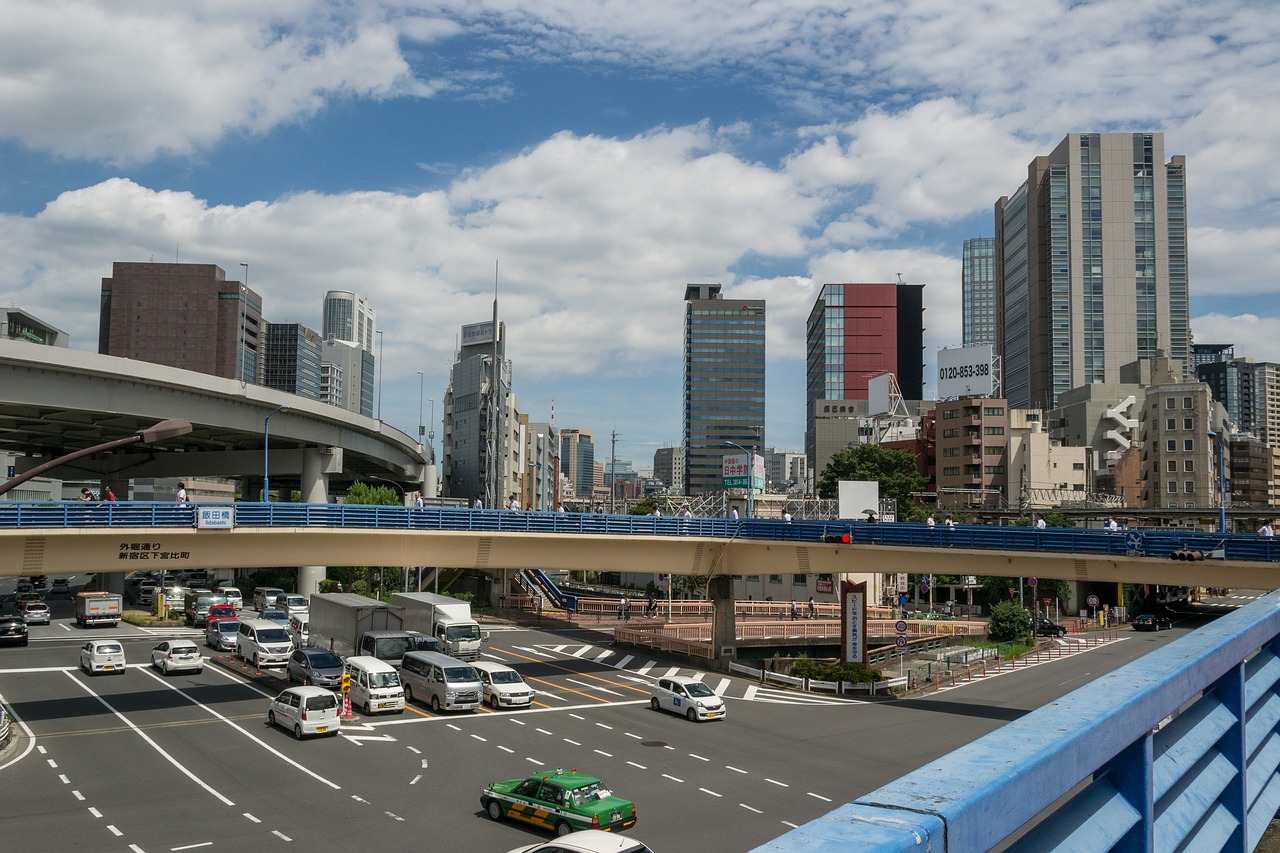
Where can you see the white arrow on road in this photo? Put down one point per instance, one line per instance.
(359, 739)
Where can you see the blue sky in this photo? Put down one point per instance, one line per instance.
(603, 154)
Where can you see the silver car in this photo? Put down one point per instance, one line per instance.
(173, 655)
(35, 613)
(102, 656)
(315, 666)
(220, 634)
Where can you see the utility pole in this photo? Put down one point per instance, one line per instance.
(613, 467)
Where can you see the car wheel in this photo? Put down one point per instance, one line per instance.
(435, 704)
(271, 718)
(408, 694)
(368, 708)
(493, 701)
(495, 810)
(563, 828)
(297, 731)
(692, 715)
(654, 704)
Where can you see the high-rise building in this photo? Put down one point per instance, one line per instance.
(723, 382)
(182, 315)
(855, 333)
(477, 449)
(349, 363)
(668, 466)
(1250, 392)
(348, 317)
(978, 291)
(1211, 353)
(1184, 436)
(291, 357)
(973, 452)
(1091, 265)
(577, 461)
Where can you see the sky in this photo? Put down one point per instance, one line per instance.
(588, 158)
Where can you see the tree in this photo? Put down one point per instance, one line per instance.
(894, 470)
(997, 588)
(1009, 621)
(360, 579)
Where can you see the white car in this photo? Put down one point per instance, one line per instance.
(587, 841)
(173, 655)
(234, 596)
(686, 695)
(102, 656)
(306, 711)
(503, 687)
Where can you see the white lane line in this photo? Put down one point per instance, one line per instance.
(603, 726)
(543, 731)
(414, 750)
(79, 796)
(94, 812)
(117, 833)
(640, 766)
(597, 688)
(31, 737)
(748, 808)
(452, 726)
(577, 716)
(712, 793)
(776, 782)
(415, 779)
(818, 796)
(672, 778)
(136, 849)
(243, 731)
(582, 651)
(602, 656)
(481, 739)
(520, 722)
(574, 742)
(602, 752)
(734, 769)
(699, 757)
(538, 652)
(637, 737)
(280, 835)
(394, 816)
(193, 846)
(750, 695)
(167, 757)
(42, 750)
(790, 824)
(63, 778)
(644, 670)
(620, 664)
(722, 687)
(534, 761)
(252, 818)
(359, 799)
(506, 749)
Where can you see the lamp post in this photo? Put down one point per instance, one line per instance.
(751, 466)
(1222, 486)
(422, 431)
(172, 428)
(378, 333)
(240, 320)
(266, 444)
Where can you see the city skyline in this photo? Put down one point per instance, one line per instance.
(589, 160)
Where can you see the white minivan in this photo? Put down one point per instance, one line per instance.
(446, 683)
(503, 686)
(306, 711)
(375, 685)
(263, 643)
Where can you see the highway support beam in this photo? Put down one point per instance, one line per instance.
(724, 629)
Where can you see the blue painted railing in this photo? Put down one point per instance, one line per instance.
(1178, 750)
(977, 536)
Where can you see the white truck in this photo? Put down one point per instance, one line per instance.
(98, 608)
(447, 619)
(339, 621)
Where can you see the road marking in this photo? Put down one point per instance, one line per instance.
(42, 750)
(672, 778)
(734, 769)
(506, 749)
(280, 835)
(117, 833)
(748, 808)
(580, 652)
(622, 663)
(602, 752)
(193, 777)
(712, 793)
(252, 818)
(193, 846)
(593, 687)
(519, 722)
(358, 740)
(722, 687)
(79, 796)
(637, 737)
(776, 782)
(640, 766)
(699, 757)
(603, 726)
(64, 779)
(136, 849)
(481, 739)
(534, 761)
(414, 750)
(424, 764)
(544, 731)
(394, 816)
(602, 656)
(452, 726)
(675, 670)
(574, 742)
(819, 796)
(790, 824)
(94, 812)
(577, 716)
(644, 670)
(53, 764)
(534, 651)
(359, 799)
(415, 779)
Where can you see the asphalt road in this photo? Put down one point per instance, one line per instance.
(145, 763)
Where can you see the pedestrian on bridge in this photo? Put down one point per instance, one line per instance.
(734, 514)
(1266, 529)
(929, 522)
(512, 503)
(1040, 523)
(813, 608)
(793, 610)
(182, 493)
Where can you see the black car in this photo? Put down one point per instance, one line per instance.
(13, 629)
(1049, 628)
(1151, 622)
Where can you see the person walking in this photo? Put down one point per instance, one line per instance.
(734, 514)
(813, 608)
(418, 502)
(793, 610)
(626, 609)
(786, 516)
(657, 513)
(1266, 529)
(1040, 523)
(111, 496)
(512, 503)
(477, 503)
(929, 522)
(182, 493)
(86, 495)
(650, 607)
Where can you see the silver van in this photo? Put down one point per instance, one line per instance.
(443, 682)
(262, 642)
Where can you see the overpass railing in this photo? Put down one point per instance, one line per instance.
(1148, 543)
(1178, 750)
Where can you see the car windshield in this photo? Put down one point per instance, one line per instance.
(462, 632)
(393, 648)
(384, 679)
(697, 689)
(506, 676)
(590, 793)
(227, 626)
(460, 673)
(323, 659)
(273, 635)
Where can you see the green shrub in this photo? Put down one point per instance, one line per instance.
(822, 670)
(1009, 621)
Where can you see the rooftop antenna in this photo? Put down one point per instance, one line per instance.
(900, 280)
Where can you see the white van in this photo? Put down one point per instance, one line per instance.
(375, 685)
(300, 629)
(445, 683)
(262, 642)
(503, 686)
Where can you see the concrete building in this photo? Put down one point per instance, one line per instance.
(973, 452)
(348, 317)
(1255, 470)
(785, 470)
(668, 466)
(724, 370)
(1180, 456)
(838, 424)
(1091, 265)
(181, 315)
(854, 333)
(578, 461)
(347, 377)
(1103, 418)
(978, 291)
(478, 403)
(1210, 353)
(1250, 392)
(1043, 474)
(18, 325)
(291, 359)
(542, 466)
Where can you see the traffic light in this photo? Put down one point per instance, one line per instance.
(1188, 555)
(838, 538)
(346, 682)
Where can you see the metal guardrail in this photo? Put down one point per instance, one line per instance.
(1151, 543)
(1179, 750)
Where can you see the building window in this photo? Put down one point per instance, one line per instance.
(994, 411)
(800, 580)
(1186, 403)
(993, 430)
(993, 449)
(1188, 424)
(775, 578)
(1171, 465)
(1188, 465)
(1189, 487)
(1170, 403)
(950, 414)
(1171, 445)
(1173, 487)
(1171, 424)
(1189, 444)
(1077, 466)
(995, 469)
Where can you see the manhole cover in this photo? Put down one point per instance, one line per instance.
(653, 743)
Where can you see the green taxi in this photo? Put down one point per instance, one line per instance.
(559, 800)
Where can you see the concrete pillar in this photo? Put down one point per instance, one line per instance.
(724, 634)
(314, 487)
(430, 487)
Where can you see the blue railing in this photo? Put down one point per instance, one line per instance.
(1158, 543)
(1176, 751)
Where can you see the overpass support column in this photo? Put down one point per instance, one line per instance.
(724, 633)
(314, 486)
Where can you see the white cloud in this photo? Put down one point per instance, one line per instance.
(1253, 336)
(1235, 263)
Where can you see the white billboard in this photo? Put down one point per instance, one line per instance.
(858, 496)
(965, 372)
(878, 392)
(735, 474)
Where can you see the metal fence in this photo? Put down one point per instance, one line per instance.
(1179, 750)
(1161, 543)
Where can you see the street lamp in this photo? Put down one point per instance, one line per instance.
(422, 431)
(751, 467)
(1222, 486)
(378, 333)
(172, 428)
(266, 443)
(240, 319)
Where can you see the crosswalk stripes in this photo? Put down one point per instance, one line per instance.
(756, 693)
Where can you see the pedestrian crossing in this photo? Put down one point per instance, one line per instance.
(645, 672)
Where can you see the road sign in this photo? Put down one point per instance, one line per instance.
(924, 585)
(1031, 582)
(1093, 601)
(901, 642)
(902, 581)
(1134, 540)
(901, 627)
